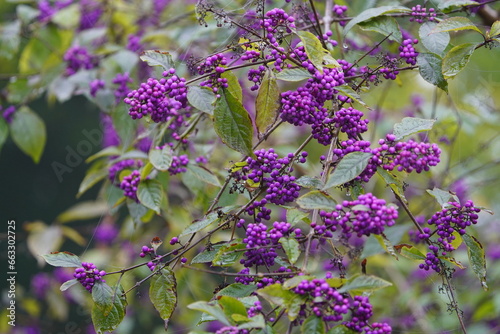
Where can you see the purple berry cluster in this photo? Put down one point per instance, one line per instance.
(261, 250)
(8, 113)
(453, 218)
(179, 164)
(364, 216)
(213, 65)
(232, 330)
(145, 250)
(121, 80)
(277, 23)
(95, 86)
(129, 185)
(77, 58)
(117, 167)
(420, 14)
(161, 99)
(389, 70)
(349, 122)
(407, 51)
(88, 275)
(339, 12)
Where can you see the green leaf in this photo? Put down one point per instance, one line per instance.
(83, 211)
(137, 211)
(229, 254)
(161, 159)
(448, 5)
(145, 171)
(103, 296)
(68, 17)
(207, 255)
(394, 182)
(374, 12)
(457, 58)
(91, 178)
(295, 281)
(456, 23)
(442, 196)
(291, 248)
(293, 74)
(477, 258)
(125, 126)
(349, 92)
(106, 152)
(233, 85)
(62, 259)
(232, 306)
(202, 98)
(495, 29)
(213, 310)
(351, 165)
(313, 325)
(276, 294)
(200, 224)
(316, 200)
(412, 125)
(26, 13)
(314, 49)
(110, 321)
(267, 102)
(232, 123)
(295, 216)
(28, 132)
(10, 38)
(364, 283)
(309, 182)
(430, 68)
(204, 175)
(4, 132)
(150, 194)
(158, 58)
(410, 252)
(68, 284)
(436, 43)
(385, 25)
(341, 329)
(237, 290)
(163, 293)
(386, 245)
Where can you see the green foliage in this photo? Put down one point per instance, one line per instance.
(351, 165)
(28, 132)
(267, 102)
(163, 293)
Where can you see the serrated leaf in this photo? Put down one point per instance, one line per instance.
(28, 132)
(351, 165)
(83, 211)
(202, 98)
(232, 306)
(276, 294)
(395, 183)
(161, 159)
(107, 323)
(207, 255)
(136, 210)
(204, 175)
(163, 293)
(201, 224)
(386, 245)
(445, 6)
(232, 123)
(295, 216)
(385, 25)
(150, 194)
(233, 85)
(409, 252)
(456, 23)
(430, 68)
(412, 125)
(291, 248)
(313, 325)
(495, 29)
(436, 43)
(457, 58)
(68, 284)
(314, 49)
(103, 296)
(477, 258)
(364, 283)
(341, 329)
(158, 58)
(374, 12)
(62, 259)
(237, 290)
(316, 200)
(309, 182)
(229, 254)
(293, 74)
(442, 196)
(91, 178)
(267, 102)
(214, 310)
(350, 93)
